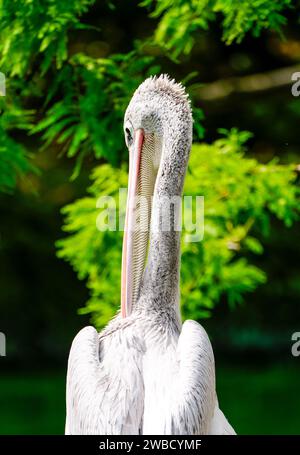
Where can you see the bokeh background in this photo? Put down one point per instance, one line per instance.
(84, 60)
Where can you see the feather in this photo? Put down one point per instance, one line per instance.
(147, 373)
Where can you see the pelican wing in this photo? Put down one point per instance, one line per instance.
(99, 400)
(195, 407)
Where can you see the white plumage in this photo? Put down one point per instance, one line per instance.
(128, 381)
(145, 373)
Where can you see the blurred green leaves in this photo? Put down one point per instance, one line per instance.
(90, 117)
(180, 20)
(14, 158)
(240, 195)
(93, 254)
(34, 31)
(80, 99)
(73, 100)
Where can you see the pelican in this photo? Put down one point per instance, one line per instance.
(146, 372)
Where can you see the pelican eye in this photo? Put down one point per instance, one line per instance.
(128, 134)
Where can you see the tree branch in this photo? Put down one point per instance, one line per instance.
(247, 84)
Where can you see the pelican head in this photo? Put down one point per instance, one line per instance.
(158, 135)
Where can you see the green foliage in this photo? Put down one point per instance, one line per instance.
(95, 255)
(86, 96)
(14, 158)
(33, 29)
(179, 20)
(78, 105)
(241, 17)
(33, 35)
(240, 195)
(90, 117)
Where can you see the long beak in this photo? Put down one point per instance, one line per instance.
(127, 256)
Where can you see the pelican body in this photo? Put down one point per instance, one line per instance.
(146, 372)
